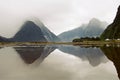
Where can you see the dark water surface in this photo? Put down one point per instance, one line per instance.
(63, 62)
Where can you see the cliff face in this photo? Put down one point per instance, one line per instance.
(113, 30)
(117, 18)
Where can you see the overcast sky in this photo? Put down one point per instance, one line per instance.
(57, 15)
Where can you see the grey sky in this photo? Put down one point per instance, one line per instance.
(57, 15)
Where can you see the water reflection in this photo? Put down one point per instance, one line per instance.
(92, 54)
(113, 53)
(31, 54)
(59, 65)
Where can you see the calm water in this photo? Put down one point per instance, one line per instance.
(59, 63)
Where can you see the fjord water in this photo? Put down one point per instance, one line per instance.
(63, 62)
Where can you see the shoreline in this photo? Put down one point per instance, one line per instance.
(84, 43)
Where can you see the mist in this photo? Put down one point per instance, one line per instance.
(57, 15)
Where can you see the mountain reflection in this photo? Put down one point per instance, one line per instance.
(113, 53)
(94, 55)
(31, 54)
(55, 63)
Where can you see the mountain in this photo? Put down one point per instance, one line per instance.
(29, 32)
(3, 39)
(93, 29)
(113, 30)
(33, 31)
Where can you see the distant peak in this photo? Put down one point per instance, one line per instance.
(29, 22)
(94, 20)
(34, 20)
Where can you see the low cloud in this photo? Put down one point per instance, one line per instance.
(57, 15)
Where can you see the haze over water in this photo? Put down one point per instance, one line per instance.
(56, 63)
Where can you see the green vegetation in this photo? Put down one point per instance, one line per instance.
(94, 42)
(77, 40)
(113, 30)
(86, 39)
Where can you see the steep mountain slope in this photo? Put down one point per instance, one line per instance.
(113, 30)
(3, 39)
(93, 29)
(33, 31)
(29, 32)
(46, 32)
